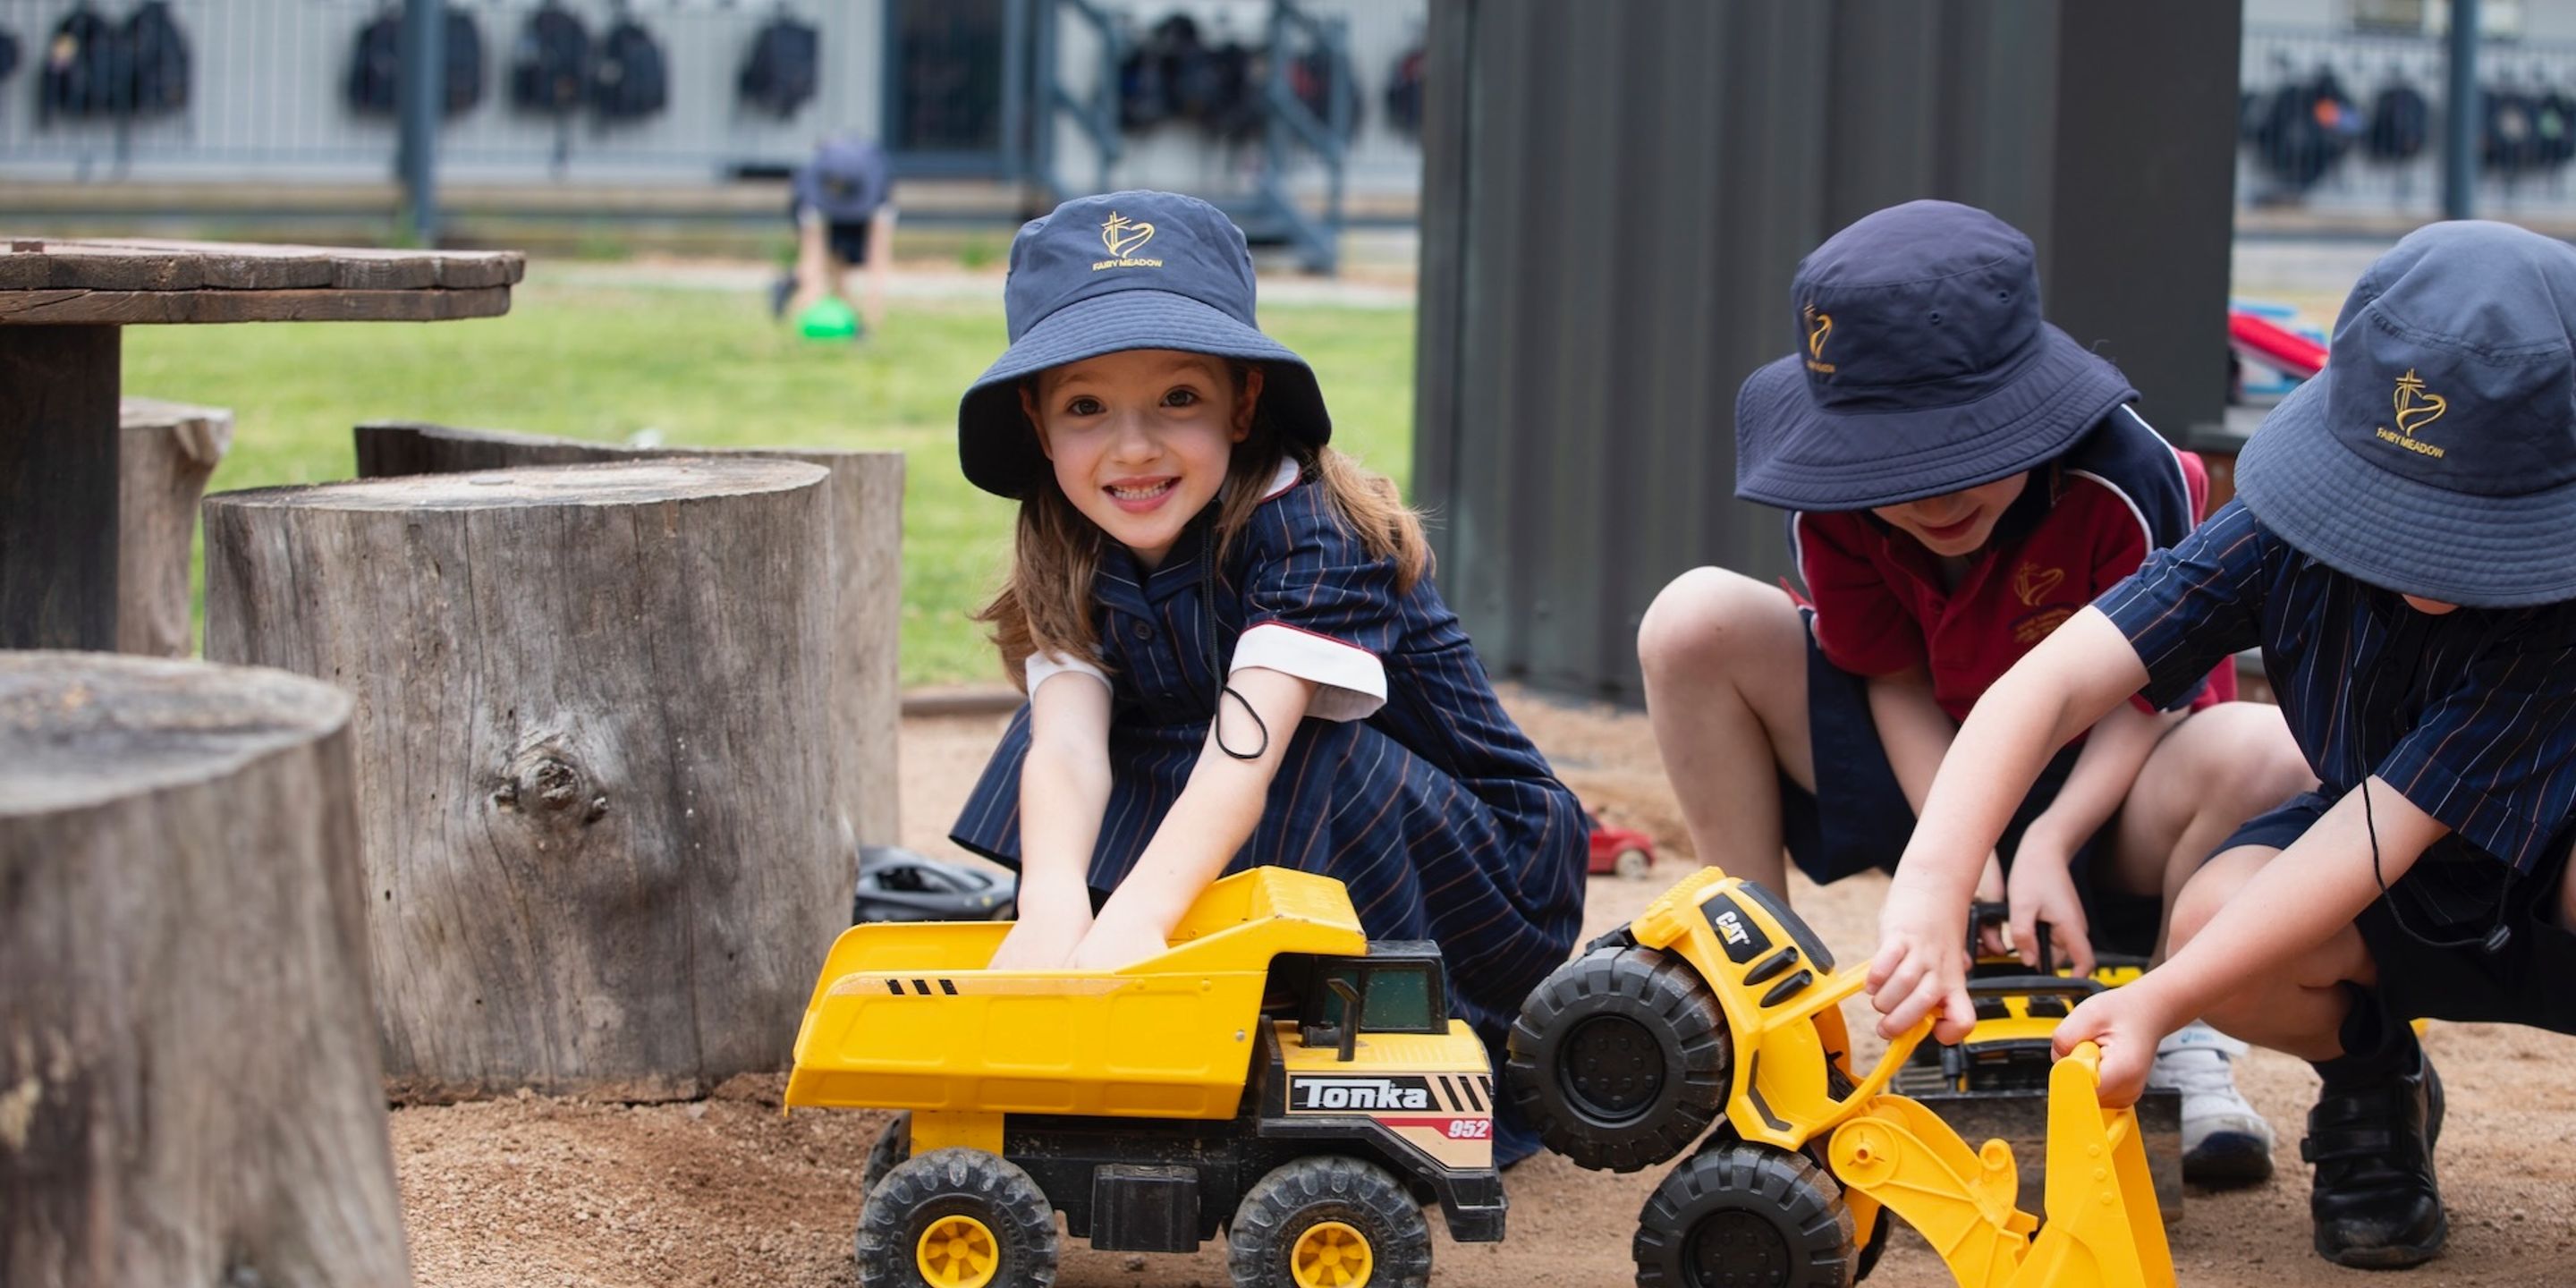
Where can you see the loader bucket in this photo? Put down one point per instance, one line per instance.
(2103, 1228)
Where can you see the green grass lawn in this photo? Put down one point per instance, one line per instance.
(709, 368)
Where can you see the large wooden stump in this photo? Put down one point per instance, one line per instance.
(188, 1078)
(867, 571)
(593, 756)
(166, 453)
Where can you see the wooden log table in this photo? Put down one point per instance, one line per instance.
(63, 305)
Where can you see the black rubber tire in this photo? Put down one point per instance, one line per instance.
(950, 1182)
(1745, 1216)
(894, 1144)
(1621, 1058)
(1295, 1197)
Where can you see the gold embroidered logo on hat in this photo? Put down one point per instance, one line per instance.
(1819, 326)
(2416, 408)
(1122, 236)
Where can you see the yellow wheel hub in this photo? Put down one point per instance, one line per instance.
(1330, 1254)
(958, 1252)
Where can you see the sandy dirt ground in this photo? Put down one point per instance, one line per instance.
(543, 1193)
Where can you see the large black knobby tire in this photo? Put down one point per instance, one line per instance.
(1351, 1222)
(894, 1144)
(1621, 1058)
(1745, 1216)
(966, 1213)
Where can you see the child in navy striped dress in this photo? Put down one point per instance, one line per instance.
(1231, 646)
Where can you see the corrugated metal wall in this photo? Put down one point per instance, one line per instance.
(1615, 198)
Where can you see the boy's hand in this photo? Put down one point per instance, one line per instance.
(2042, 890)
(1922, 966)
(2126, 1023)
(1042, 940)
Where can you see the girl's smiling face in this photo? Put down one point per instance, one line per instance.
(1957, 523)
(1140, 439)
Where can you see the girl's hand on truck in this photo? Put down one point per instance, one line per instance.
(1118, 940)
(2043, 893)
(1044, 937)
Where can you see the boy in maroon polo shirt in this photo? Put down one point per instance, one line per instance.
(1961, 478)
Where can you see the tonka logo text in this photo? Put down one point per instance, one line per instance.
(1358, 1093)
(2416, 407)
(1123, 236)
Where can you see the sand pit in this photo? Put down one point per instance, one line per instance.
(541, 1193)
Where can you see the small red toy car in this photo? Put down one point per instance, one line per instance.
(1623, 850)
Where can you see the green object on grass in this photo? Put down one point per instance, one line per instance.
(829, 319)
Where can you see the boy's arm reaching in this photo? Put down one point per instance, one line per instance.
(2056, 691)
(1916, 734)
(1213, 817)
(1064, 789)
(2043, 889)
(2296, 902)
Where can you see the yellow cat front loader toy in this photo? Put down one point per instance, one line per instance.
(1274, 1072)
(1719, 1006)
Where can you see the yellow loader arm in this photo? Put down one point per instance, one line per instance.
(2103, 1230)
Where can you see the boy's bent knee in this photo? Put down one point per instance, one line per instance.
(2210, 889)
(1707, 617)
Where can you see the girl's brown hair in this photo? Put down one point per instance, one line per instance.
(1044, 605)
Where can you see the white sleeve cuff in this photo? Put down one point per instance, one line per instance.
(1046, 666)
(1352, 681)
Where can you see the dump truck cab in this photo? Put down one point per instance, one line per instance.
(1274, 1073)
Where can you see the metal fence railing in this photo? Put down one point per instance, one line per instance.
(2347, 122)
(269, 95)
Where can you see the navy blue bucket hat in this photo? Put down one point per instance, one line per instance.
(1923, 367)
(2436, 453)
(1126, 270)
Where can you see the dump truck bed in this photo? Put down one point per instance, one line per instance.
(906, 1016)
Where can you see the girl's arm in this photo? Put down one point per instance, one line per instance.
(1916, 733)
(2057, 690)
(2295, 903)
(1214, 816)
(1064, 789)
(2042, 887)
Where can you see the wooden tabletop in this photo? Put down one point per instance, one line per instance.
(57, 281)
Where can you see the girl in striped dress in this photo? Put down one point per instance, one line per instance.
(1232, 649)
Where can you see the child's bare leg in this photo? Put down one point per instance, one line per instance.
(2299, 1009)
(1725, 661)
(2216, 769)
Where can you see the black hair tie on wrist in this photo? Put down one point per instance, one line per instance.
(1207, 618)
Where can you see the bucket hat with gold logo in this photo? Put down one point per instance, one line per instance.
(1120, 271)
(1922, 367)
(2436, 453)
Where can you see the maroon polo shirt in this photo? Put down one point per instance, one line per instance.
(1881, 606)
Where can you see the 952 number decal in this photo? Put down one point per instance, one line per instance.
(1471, 1129)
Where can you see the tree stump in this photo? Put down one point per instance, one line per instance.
(189, 1086)
(593, 755)
(867, 570)
(165, 454)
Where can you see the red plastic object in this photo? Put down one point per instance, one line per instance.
(2274, 345)
(1609, 844)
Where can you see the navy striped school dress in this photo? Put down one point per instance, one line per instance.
(1407, 781)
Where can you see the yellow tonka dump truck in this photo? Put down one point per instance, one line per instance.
(1274, 1073)
(1719, 1005)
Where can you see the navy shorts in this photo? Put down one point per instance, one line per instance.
(2451, 895)
(1869, 820)
(849, 241)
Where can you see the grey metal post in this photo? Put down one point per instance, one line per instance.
(424, 89)
(2460, 119)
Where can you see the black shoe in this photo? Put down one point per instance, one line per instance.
(2376, 1204)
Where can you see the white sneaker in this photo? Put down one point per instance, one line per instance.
(2224, 1142)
